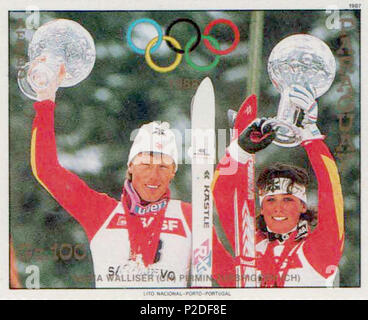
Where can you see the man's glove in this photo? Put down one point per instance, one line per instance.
(254, 139)
(304, 99)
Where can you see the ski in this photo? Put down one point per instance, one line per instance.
(203, 160)
(237, 213)
(244, 213)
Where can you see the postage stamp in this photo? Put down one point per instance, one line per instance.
(205, 150)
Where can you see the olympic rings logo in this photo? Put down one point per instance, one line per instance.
(210, 42)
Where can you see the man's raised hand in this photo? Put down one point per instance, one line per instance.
(49, 92)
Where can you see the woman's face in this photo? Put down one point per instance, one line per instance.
(281, 212)
(151, 175)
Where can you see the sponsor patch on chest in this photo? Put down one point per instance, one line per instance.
(169, 225)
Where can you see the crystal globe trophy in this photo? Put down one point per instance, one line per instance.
(303, 60)
(57, 42)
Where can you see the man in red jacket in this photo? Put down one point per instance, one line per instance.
(134, 242)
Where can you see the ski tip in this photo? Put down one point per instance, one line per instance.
(246, 114)
(206, 82)
(203, 102)
(205, 92)
(250, 100)
(231, 116)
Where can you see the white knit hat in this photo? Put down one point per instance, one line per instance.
(155, 137)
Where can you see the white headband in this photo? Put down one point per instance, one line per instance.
(281, 186)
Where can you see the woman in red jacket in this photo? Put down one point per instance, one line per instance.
(284, 252)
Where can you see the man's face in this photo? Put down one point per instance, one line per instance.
(282, 211)
(151, 175)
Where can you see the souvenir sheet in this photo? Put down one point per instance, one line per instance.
(196, 150)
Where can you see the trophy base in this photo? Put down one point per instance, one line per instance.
(288, 135)
(23, 83)
(34, 77)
